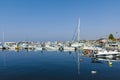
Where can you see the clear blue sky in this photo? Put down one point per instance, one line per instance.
(56, 20)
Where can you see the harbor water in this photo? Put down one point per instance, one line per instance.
(54, 65)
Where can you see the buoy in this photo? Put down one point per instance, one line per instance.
(94, 72)
(110, 64)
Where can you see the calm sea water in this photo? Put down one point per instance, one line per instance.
(30, 65)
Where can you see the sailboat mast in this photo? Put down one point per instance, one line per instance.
(78, 30)
(3, 37)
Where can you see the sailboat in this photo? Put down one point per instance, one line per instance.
(1, 46)
(3, 43)
(77, 43)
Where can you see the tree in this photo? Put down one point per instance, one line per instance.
(111, 37)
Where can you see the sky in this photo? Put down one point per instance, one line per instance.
(56, 20)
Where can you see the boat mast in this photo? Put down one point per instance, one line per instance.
(78, 34)
(3, 37)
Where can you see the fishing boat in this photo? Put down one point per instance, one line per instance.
(105, 53)
(51, 47)
(38, 48)
(66, 48)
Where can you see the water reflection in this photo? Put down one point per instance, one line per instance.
(109, 59)
(4, 60)
(78, 61)
(78, 64)
(57, 66)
